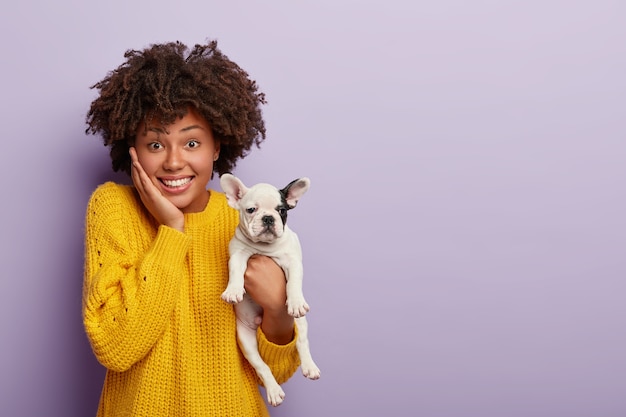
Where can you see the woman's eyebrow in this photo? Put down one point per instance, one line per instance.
(159, 130)
(188, 128)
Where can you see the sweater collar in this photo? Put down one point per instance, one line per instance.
(215, 204)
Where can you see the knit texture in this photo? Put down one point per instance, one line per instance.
(154, 317)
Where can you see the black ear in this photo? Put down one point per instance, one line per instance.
(294, 190)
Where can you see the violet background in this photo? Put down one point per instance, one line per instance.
(464, 233)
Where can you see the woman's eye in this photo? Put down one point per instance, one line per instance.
(154, 146)
(193, 143)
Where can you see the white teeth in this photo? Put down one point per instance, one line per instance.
(177, 183)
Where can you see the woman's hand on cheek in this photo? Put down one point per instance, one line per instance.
(163, 210)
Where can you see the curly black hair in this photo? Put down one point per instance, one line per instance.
(167, 79)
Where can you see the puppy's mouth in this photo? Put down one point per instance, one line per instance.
(266, 234)
(268, 230)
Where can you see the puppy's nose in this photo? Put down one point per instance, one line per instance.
(268, 220)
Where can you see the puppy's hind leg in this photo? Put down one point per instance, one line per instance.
(308, 366)
(246, 333)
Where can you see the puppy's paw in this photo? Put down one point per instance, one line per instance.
(275, 395)
(310, 370)
(233, 295)
(297, 307)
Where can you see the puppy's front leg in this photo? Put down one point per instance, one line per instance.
(236, 268)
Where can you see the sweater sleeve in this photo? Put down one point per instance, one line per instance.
(131, 278)
(283, 360)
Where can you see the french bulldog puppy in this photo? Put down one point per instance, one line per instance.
(263, 230)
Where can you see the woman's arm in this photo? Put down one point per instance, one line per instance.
(265, 283)
(132, 278)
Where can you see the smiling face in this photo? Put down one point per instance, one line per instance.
(179, 158)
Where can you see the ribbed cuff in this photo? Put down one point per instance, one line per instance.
(283, 360)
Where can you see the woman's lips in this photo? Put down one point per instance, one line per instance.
(176, 185)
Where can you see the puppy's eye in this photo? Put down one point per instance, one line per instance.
(251, 210)
(282, 211)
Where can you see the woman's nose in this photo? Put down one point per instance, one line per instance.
(174, 160)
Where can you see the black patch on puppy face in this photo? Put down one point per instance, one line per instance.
(283, 207)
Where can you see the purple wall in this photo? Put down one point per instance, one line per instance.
(464, 233)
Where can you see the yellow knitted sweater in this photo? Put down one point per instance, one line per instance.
(154, 317)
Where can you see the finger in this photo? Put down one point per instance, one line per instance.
(133, 154)
(140, 178)
(135, 166)
(134, 160)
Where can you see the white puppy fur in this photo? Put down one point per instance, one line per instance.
(263, 230)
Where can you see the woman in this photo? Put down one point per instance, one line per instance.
(156, 252)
